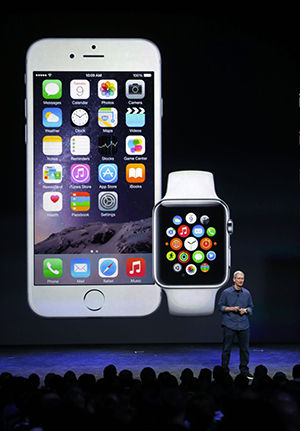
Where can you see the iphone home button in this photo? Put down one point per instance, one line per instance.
(93, 300)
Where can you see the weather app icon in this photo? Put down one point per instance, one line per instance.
(52, 117)
(108, 173)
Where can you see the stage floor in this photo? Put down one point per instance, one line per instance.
(24, 360)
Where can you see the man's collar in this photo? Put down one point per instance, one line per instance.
(236, 290)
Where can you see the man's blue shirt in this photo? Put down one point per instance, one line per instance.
(231, 297)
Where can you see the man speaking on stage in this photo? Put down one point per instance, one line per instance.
(236, 305)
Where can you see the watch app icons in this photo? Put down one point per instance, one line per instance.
(107, 117)
(108, 267)
(52, 268)
(135, 267)
(52, 89)
(52, 145)
(108, 173)
(52, 201)
(135, 89)
(80, 89)
(80, 173)
(108, 201)
(107, 89)
(177, 220)
(52, 117)
(80, 268)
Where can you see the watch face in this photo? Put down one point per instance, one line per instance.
(190, 241)
(79, 117)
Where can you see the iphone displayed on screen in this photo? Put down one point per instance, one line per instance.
(93, 175)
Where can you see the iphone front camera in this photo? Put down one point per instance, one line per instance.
(72, 55)
(94, 47)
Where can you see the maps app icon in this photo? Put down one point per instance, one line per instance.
(107, 117)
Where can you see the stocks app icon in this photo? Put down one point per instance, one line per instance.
(107, 145)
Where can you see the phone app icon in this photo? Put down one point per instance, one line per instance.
(52, 117)
(80, 145)
(135, 173)
(80, 201)
(135, 145)
(108, 173)
(52, 173)
(52, 268)
(52, 201)
(107, 117)
(107, 89)
(80, 268)
(107, 145)
(211, 231)
(52, 145)
(135, 117)
(108, 267)
(108, 201)
(136, 267)
(80, 173)
(52, 89)
(135, 89)
(80, 89)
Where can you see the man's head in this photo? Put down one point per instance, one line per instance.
(238, 278)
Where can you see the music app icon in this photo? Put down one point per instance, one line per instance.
(136, 267)
(80, 173)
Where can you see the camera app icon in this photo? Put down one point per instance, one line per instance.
(135, 89)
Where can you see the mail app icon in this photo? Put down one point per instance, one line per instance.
(80, 268)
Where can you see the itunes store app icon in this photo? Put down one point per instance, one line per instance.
(80, 173)
(52, 201)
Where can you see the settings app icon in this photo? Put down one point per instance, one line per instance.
(108, 201)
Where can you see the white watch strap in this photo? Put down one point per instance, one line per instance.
(191, 302)
(190, 185)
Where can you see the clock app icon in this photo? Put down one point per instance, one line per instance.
(80, 117)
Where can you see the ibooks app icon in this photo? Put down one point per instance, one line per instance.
(135, 173)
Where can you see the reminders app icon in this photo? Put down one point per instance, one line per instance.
(80, 268)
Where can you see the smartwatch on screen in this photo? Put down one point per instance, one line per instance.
(191, 238)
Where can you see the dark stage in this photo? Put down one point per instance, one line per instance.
(24, 360)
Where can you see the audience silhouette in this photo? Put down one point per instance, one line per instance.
(213, 401)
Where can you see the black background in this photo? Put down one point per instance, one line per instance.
(231, 106)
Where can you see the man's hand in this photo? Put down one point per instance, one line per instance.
(243, 311)
(235, 309)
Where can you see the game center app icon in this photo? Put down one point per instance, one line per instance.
(107, 89)
(136, 267)
(135, 145)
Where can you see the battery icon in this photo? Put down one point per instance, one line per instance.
(147, 75)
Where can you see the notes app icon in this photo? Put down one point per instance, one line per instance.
(136, 267)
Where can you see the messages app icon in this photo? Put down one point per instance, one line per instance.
(52, 89)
